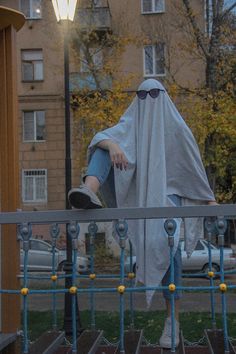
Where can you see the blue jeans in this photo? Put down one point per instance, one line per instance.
(100, 166)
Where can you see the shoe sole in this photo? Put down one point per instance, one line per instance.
(80, 200)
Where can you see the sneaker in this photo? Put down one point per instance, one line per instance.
(83, 198)
(165, 340)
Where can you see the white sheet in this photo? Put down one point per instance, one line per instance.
(164, 159)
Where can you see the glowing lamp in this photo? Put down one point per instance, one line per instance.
(64, 9)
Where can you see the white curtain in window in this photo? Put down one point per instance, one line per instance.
(34, 186)
(28, 188)
(159, 5)
(40, 189)
(38, 70)
(28, 124)
(148, 60)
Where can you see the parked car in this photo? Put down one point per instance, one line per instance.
(40, 258)
(199, 260)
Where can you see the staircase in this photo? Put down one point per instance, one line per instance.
(91, 342)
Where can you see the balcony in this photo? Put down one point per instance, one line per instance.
(97, 18)
(79, 81)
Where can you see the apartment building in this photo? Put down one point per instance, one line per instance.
(158, 29)
(41, 79)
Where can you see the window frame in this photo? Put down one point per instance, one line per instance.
(31, 10)
(32, 61)
(199, 246)
(154, 74)
(34, 200)
(153, 7)
(35, 140)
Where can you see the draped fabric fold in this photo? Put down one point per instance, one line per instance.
(164, 159)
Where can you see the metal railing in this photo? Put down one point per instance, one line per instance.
(214, 218)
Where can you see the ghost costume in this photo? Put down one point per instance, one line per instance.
(163, 159)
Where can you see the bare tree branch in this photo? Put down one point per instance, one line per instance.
(226, 11)
(196, 29)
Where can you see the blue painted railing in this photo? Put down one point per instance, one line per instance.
(25, 220)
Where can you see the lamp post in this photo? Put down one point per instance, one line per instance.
(65, 11)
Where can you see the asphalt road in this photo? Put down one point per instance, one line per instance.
(199, 302)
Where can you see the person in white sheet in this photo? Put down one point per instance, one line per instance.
(149, 159)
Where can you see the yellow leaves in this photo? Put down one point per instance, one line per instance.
(95, 111)
(213, 118)
(173, 91)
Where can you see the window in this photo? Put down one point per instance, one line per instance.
(153, 6)
(31, 8)
(92, 58)
(154, 60)
(32, 65)
(199, 246)
(40, 246)
(98, 3)
(34, 185)
(34, 126)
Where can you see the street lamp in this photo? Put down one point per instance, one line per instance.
(65, 11)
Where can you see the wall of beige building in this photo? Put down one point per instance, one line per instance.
(167, 27)
(48, 95)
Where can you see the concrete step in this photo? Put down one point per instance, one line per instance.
(47, 343)
(87, 343)
(7, 339)
(133, 341)
(215, 339)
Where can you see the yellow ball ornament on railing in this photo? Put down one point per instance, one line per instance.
(24, 291)
(73, 290)
(223, 287)
(54, 277)
(211, 274)
(121, 289)
(131, 275)
(172, 287)
(92, 276)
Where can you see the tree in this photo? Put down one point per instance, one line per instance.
(210, 109)
(100, 99)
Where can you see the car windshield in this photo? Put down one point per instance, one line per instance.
(37, 245)
(200, 245)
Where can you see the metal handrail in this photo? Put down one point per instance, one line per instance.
(24, 220)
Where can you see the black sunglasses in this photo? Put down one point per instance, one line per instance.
(154, 93)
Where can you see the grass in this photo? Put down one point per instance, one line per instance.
(192, 323)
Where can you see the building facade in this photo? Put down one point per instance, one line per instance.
(158, 31)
